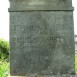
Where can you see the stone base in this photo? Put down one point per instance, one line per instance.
(47, 76)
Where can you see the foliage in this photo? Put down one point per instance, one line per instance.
(76, 62)
(4, 49)
(4, 69)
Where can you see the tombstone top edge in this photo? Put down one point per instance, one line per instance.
(41, 4)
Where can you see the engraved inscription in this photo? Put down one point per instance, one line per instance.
(41, 42)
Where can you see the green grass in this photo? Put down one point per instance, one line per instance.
(76, 62)
(4, 69)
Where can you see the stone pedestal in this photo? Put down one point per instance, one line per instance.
(41, 38)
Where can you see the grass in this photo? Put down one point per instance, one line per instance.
(76, 62)
(4, 69)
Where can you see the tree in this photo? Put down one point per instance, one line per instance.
(4, 49)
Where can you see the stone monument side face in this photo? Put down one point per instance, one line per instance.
(42, 43)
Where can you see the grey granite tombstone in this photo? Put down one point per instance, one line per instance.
(42, 38)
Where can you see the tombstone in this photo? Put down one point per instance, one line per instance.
(42, 38)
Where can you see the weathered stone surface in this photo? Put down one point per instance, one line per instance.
(42, 38)
(42, 43)
(23, 5)
(48, 76)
